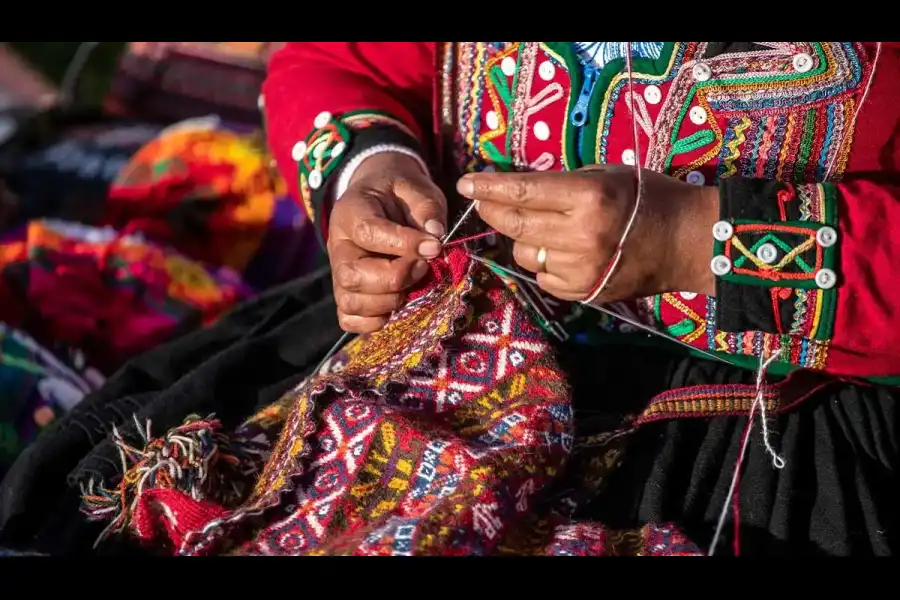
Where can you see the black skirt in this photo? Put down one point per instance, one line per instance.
(836, 495)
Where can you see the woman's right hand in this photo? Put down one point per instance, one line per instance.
(383, 229)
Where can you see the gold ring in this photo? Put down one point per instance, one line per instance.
(542, 260)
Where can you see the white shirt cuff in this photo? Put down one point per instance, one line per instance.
(348, 170)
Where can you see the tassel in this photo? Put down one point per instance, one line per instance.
(193, 472)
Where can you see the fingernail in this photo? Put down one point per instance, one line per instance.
(434, 227)
(419, 269)
(429, 248)
(465, 186)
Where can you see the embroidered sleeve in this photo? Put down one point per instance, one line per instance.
(327, 158)
(794, 261)
(326, 102)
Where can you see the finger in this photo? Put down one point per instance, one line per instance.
(538, 191)
(533, 227)
(426, 204)
(357, 324)
(368, 305)
(557, 261)
(362, 220)
(370, 275)
(558, 287)
(381, 236)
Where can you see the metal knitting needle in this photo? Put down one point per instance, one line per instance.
(346, 335)
(459, 223)
(606, 311)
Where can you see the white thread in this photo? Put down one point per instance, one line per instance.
(349, 169)
(640, 189)
(862, 100)
(777, 461)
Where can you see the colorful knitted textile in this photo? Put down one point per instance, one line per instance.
(36, 387)
(112, 295)
(449, 432)
(211, 193)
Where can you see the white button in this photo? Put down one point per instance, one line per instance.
(628, 157)
(698, 115)
(492, 120)
(489, 169)
(802, 62)
(508, 65)
(767, 253)
(720, 265)
(687, 295)
(701, 72)
(322, 119)
(723, 231)
(338, 149)
(542, 131)
(298, 152)
(260, 102)
(826, 278)
(315, 179)
(695, 178)
(826, 237)
(652, 94)
(546, 70)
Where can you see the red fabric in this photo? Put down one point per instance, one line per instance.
(398, 78)
(306, 78)
(169, 515)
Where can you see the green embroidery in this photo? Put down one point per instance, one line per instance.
(681, 328)
(693, 141)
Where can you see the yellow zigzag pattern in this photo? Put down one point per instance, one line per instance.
(733, 145)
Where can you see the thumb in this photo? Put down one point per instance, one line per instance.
(425, 204)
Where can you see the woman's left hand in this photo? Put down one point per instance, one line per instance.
(578, 217)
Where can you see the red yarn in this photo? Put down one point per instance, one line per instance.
(177, 512)
(452, 266)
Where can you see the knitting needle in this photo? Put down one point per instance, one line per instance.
(346, 336)
(464, 216)
(606, 311)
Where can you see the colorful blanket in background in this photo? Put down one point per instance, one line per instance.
(170, 81)
(37, 386)
(110, 294)
(213, 194)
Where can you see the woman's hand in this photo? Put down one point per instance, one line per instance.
(382, 230)
(578, 218)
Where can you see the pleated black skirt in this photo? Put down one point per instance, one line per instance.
(836, 495)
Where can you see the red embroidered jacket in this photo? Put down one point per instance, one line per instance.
(801, 138)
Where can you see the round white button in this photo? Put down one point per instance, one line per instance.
(698, 115)
(492, 120)
(508, 66)
(298, 152)
(338, 149)
(826, 236)
(546, 70)
(628, 157)
(720, 265)
(260, 102)
(802, 62)
(489, 169)
(315, 180)
(695, 178)
(723, 231)
(652, 94)
(826, 278)
(701, 72)
(542, 131)
(687, 295)
(767, 253)
(322, 119)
